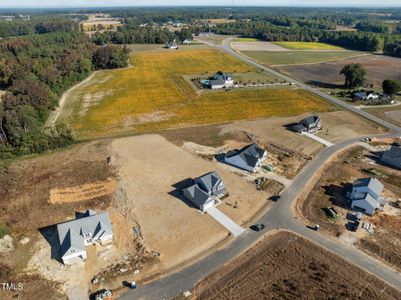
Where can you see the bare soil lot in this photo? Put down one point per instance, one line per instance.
(327, 75)
(25, 206)
(152, 171)
(331, 189)
(286, 266)
(336, 126)
(39, 192)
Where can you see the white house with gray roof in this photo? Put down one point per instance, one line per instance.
(249, 158)
(392, 156)
(221, 80)
(76, 235)
(365, 194)
(310, 124)
(206, 191)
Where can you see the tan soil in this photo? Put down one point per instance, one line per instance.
(337, 126)
(84, 192)
(286, 266)
(150, 169)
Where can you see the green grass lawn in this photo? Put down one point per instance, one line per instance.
(307, 46)
(297, 57)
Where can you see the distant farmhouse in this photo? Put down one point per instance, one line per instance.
(75, 235)
(372, 98)
(171, 45)
(310, 124)
(206, 191)
(219, 80)
(366, 195)
(361, 96)
(249, 158)
(392, 156)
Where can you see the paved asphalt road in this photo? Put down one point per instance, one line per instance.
(280, 216)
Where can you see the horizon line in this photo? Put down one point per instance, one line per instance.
(197, 5)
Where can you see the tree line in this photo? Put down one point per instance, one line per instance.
(134, 34)
(35, 70)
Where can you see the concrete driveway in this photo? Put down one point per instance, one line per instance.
(229, 224)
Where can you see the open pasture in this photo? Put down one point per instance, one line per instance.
(153, 95)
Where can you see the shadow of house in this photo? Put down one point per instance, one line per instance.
(50, 234)
(338, 194)
(177, 192)
(325, 85)
(291, 127)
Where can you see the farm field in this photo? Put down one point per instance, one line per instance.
(330, 191)
(327, 74)
(286, 266)
(308, 46)
(295, 57)
(153, 95)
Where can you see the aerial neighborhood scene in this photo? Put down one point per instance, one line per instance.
(200, 150)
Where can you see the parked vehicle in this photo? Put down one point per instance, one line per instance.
(258, 227)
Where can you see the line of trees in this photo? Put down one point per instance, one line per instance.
(35, 70)
(37, 25)
(140, 35)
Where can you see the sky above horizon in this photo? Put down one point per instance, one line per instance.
(107, 3)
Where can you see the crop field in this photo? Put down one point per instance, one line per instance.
(286, 266)
(307, 46)
(298, 56)
(378, 68)
(153, 95)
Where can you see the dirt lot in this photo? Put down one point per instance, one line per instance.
(60, 184)
(378, 68)
(25, 188)
(331, 190)
(286, 266)
(152, 171)
(336, 126)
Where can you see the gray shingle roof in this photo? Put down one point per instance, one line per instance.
(368, 198)
(393, 153)
(71, 234)
(250, 154)
(199, 197)
(372, 183)
(312, 120)
(208, 181)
